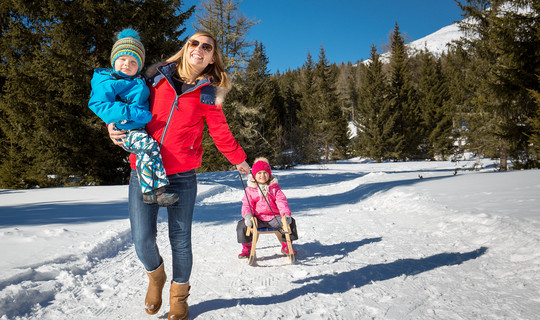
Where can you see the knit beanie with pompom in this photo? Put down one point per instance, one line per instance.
(128, 43)
(261, 164)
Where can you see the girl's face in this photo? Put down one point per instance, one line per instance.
(262, 177)
(126, 64)
(201, 52)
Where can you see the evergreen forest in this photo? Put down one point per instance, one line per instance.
(481, 96)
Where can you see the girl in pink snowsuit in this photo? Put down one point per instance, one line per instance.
(261, 185)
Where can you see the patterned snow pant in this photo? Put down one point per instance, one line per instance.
(149, 163)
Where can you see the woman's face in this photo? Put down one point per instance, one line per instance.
(201, 52)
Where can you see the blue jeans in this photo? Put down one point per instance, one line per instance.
(143, 219)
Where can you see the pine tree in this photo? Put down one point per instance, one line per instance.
(437, 117)
(535, 125)
(54, 138)
(505, 46)
(309, 138)
(403, 101)
(329, 119)
(224, 20)
(352, 90)
(291, 105)
(346, 88)
(260, 94)
(289, 88)
(461, 88)
(376, 123)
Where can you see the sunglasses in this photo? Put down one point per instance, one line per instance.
(205, 46)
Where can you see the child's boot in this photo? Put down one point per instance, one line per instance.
(246, 249)
(148, 197)
(285, 248)
(157, 278)
(165, 199)
(178, 301)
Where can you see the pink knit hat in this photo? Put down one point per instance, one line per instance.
(261, 164)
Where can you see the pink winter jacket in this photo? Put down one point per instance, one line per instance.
(276, 198)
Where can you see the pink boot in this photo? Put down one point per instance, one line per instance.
(246, 249)
(285, 248)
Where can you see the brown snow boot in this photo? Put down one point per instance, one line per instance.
(179, 306)
(152, 302)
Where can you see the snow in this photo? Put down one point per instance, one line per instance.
(436, 43)
(401, 240)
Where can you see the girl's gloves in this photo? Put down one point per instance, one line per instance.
(289, 219)
(247, 220)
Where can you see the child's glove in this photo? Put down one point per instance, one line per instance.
(288, 219)
(247, 220)
(139, 115)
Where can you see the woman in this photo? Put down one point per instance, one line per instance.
(185, 92)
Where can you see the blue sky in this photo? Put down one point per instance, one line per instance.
(289, 29)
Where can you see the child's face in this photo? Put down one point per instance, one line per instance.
(262, 176)
(126, 64)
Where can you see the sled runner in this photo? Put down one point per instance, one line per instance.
(255, 231)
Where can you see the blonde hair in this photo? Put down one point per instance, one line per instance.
(215, 71)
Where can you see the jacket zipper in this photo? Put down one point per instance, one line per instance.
(174, 105)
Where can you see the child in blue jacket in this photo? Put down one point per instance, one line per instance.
(120, 96)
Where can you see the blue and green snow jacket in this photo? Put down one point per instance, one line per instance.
(121, 99)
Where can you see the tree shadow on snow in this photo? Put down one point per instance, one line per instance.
(360, 192)
(287, 179)
(345, 281)
(313, 251)
(310, 251)
(226, 212)
(61, 212)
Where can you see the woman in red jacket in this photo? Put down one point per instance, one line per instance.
(185, 92)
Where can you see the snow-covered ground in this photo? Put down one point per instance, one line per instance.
(377, 241)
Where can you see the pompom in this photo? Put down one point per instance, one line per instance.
(128, 43)
(128, 33)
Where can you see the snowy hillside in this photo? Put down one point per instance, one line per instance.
(415, 240)
(436, 43)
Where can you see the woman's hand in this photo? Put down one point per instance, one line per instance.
(243, 168)
(116, 135)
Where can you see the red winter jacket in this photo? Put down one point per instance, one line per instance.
(178, 121)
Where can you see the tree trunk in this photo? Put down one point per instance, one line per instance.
(326, 153)
(503, 156)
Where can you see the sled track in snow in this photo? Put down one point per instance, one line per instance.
(41, 284)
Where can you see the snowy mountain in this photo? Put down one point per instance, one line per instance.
(436, 43)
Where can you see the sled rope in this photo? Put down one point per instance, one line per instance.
(264, 197)
(245, 192)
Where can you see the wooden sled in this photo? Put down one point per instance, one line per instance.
(256, 231)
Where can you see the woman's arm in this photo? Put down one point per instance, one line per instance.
(224, 140)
